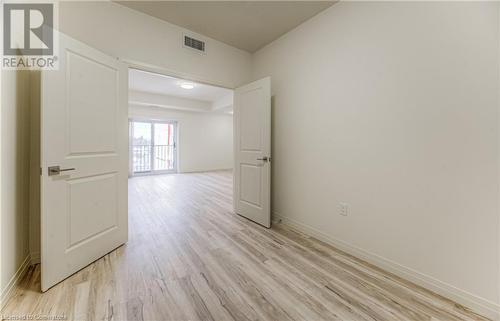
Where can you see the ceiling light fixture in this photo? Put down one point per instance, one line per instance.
(187, 85)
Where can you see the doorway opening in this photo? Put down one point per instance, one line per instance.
(178, 125)
(153, 146)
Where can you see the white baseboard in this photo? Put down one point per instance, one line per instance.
(194, 171)
(6, 293)
(35, 258)
(474, 303)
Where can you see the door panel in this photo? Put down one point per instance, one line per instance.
(84, 129)
(251, 112)
(250, 181)
(87, 219)
(99, 109)
(252, 119)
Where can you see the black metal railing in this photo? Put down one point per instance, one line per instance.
(146, 158)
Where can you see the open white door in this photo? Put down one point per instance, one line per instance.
(252, 141)
(84, 133)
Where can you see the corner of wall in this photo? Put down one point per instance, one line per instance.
(34, 168)
(498, 158)
(16, 254)
(6, 294)
(1, 212)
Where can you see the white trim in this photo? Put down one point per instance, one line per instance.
(473, 302)
(132, 64)
(205, 170)
(35, 258)
(16, 278)
(2, 265)
(498, 164)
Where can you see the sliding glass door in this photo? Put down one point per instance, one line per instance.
(164, 146)
(153, 146)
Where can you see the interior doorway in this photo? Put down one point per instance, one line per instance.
(177, 125)
(185, 127)
(153, 146)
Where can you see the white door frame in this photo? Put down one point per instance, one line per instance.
(171, 73)
(131, 64)
(186, 76)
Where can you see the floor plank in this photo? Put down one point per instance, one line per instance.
(189, 257)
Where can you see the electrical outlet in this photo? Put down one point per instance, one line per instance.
(343, 209)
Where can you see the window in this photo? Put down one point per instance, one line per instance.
(153, 146)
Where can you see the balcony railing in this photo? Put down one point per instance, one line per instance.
(147, 158)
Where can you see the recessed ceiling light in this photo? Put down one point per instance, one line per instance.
(187, 85)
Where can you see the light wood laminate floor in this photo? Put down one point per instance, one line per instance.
(189, 257)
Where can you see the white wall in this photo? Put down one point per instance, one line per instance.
(134, 36)
(205, 140)
(392, 108)
(15, 152)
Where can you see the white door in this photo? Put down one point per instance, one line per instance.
(252, 170)
(84, 132)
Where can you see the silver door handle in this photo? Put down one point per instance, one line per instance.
(265, 159)
(56, 170)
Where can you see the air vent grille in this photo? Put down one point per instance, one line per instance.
(194, 43)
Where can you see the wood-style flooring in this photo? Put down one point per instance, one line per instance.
(189, 257)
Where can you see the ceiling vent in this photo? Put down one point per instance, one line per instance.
(195, 44)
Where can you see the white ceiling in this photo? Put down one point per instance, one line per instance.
(147, 88)
(248, 25)
(164, 85)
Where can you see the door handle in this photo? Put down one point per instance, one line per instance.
(264, 159)
(56, 170)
